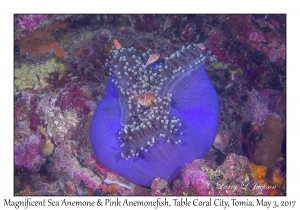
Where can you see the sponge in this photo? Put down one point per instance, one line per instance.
(270, 146)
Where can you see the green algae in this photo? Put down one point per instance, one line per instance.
(36, 76)
(219, 65)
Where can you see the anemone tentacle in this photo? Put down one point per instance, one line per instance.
(142, 142)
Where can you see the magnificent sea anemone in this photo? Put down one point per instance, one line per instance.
(152, 122)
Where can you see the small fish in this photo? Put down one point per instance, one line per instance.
(146, 99)
(152, 58)
(201, 46)
(117, 44)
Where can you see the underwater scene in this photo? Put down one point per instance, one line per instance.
(153, 105)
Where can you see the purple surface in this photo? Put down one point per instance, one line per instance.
(194, 102)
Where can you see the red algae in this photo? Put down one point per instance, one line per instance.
(73, 98)
(34, 122)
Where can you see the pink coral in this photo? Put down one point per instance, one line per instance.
(70, 187)
(259, 105)
(28, 23)
(68, 165)
(73, 97)
(221, 141)
(35, 122)
(269, 43)
(235, 167)
(29, 154)
(196, 179)
(179, 188)
(257, 36)
(160, 187)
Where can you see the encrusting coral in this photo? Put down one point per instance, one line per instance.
(41, 42)
(36, 76)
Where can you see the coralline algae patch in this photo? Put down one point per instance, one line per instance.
(37, 76)
(68, 166)
(57, 142)
(29, 154)
(73, 97)
(27, 143)
(206, 178)
(42, 129)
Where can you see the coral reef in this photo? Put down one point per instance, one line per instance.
(41, 42)
(195, 179)
(269, 43)
(221, 141)
(236, 176)
(26, 24)
(67, 165)
(259, 102)
(38, 76)
(160, 187)
(29, 154)
(281, 103)
(60, 76)
(259, 174)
